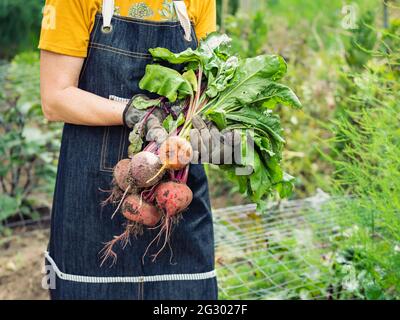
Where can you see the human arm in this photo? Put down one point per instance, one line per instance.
(63, 101)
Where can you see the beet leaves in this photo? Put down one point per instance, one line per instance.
(237, 94)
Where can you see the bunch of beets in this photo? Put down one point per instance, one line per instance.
(150, 187)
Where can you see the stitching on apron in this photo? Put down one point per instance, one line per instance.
(122, 142)
(120, 51)
(156, 278)
(124, 138)
(125, 132)
(104, 149)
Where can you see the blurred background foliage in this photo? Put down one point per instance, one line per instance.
(345, 141)
(20, 22)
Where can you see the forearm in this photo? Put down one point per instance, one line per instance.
(63, 101)
(76, 106)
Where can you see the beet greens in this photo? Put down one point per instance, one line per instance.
(237, 94)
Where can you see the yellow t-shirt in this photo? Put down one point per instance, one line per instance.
(67, 24)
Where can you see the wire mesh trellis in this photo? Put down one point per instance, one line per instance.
(282, 254)
(291, 251)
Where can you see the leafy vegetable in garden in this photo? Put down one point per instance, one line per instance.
(236, 94)
(150, 188)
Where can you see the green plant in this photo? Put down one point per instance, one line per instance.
(20, 26)
(248, 39)
(362, 41)
(28, 144)
(232, 7)
(366, 154)
(238, 94)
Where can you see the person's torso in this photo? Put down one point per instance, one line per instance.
(152, 10)
(155, 10)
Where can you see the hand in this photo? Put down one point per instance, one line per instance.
(213, 146)
(154, 130)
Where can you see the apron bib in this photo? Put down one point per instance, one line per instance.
(116, 61)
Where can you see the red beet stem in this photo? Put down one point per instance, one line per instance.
(185, 174)
(148, 195)
(151, 147)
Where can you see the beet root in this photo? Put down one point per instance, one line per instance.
(121, 183)
(122, 176)
(139, 214)
(145, 169)
(124, 239)
(137, 210)
(173, 198)
(176, 153)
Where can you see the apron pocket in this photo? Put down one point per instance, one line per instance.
(115, 143)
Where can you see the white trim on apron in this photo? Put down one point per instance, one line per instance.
(156, 278)
(180, 8)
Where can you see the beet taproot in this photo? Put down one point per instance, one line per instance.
(137, 210)
(122, 176)
(173, 197)
(139, 214)
(145, 169)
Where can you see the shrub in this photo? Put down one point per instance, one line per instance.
(20, 25)
(366, 156)
(28, 144)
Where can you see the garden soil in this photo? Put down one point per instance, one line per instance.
(21, 266)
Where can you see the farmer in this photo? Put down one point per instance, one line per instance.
(93, 55)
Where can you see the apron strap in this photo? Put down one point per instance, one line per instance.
(181, 11)
(180, 8)
(108, 12)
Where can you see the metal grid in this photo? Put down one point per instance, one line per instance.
(281, 254)
(284, 253)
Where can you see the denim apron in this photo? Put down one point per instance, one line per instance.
(116, 61)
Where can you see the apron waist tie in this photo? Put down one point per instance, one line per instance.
(155, 278)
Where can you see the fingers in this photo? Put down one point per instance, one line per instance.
(157, 134)
(133, 116)
(195, 140)
(198, 123)
(155, 131)
(232, 137)
(200, 151)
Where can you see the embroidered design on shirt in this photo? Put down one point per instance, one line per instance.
(167, 12)
(140, 11)
(117, 10)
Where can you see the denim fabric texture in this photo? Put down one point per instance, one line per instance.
(115, 64)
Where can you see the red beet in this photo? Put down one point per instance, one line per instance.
(136, 210)
(173, 198)
(122, 175)
(139, 214)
